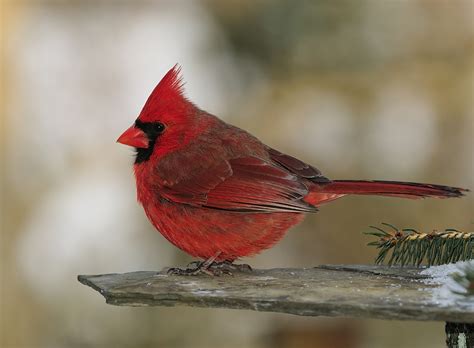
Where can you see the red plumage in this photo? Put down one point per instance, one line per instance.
(214, 190)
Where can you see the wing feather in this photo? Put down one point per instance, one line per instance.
(247, 184)
(298, 167)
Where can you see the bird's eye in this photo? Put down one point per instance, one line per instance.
(151, 129)
(158, 127)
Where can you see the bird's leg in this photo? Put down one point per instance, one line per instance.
(204, 267)
(211, 267)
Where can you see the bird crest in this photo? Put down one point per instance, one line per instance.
(167, 99)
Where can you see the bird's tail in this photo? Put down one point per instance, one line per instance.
(392, 188)
(339, 188)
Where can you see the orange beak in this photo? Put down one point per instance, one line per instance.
(134, 137)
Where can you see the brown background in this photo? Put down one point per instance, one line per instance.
(361, 89)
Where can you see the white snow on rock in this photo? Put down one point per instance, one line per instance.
(449, 292)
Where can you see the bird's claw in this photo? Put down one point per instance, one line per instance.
(210, 271)
(214, 269)
(188, 271)
(229, 266)
(194, 264)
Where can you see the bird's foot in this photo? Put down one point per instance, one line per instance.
(189, 271)
(197, 268)
(229, 266)
(194, 264)
(210, 268)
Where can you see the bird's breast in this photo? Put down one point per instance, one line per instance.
(203, 232)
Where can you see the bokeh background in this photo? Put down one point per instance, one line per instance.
(362, 89)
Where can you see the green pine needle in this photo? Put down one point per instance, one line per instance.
(410, 247)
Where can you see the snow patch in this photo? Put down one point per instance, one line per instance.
(449, 292)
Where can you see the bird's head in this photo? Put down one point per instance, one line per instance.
(166, 122)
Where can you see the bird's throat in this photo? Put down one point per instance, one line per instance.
(144, 154)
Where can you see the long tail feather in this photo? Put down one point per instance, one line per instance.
(391, 188)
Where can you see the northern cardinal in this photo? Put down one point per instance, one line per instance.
(217, 192)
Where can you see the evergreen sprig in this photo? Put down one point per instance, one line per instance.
(410, 247)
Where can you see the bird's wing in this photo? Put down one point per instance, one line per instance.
(298, 167)
(246, 184)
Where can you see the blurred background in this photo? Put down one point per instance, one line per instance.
(361, 89)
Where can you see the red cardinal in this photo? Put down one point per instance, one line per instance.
(217, 192)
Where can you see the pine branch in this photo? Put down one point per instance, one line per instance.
(410, 247)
